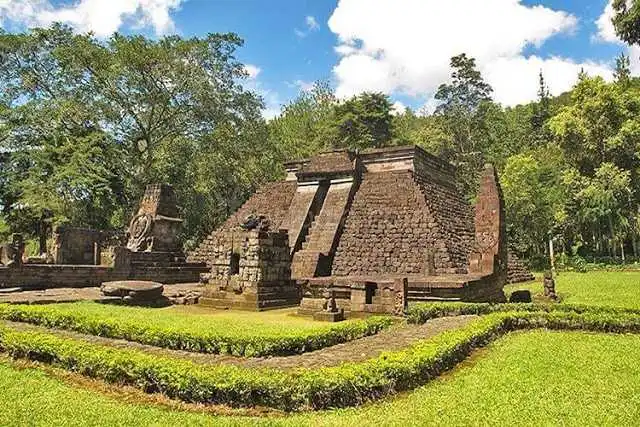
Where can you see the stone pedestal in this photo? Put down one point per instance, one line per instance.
(326, 316)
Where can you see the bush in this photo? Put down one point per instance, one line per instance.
(344, 385)
(204, 341)
(420, 313)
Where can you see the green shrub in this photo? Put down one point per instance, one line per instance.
(344, 385)
(420, 313)
(203, 341)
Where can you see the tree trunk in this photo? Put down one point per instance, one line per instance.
(551, 255)
(622, 249)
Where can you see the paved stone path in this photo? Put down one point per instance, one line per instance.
(58, 295)
(395, 338)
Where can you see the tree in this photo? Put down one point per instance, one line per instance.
(626, 20)
(542, 109)
(622, 73)
(463, 104)
(363, 121)
(534, 199)
(296, 131)
(91, 122)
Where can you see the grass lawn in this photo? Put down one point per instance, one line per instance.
(526, 378)
(197, 319)
(616, 289)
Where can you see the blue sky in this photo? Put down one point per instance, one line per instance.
(400, 47)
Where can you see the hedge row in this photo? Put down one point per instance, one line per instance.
(205, 341)
(345, 385)
(420, 313)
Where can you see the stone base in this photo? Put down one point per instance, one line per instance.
(280, 298)
(326, 316)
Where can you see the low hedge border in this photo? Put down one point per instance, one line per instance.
(420, 313)
(346, 385)
(214, 342)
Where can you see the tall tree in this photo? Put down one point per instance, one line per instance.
(626, 20)
(461, 106)
(622, 72)
(296, 131)
(125, 112)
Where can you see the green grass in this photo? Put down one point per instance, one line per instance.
(614, 289)
(196, 319)
(526, 378)
(196, 329)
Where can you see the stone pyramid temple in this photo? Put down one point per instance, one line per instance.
(360, 232)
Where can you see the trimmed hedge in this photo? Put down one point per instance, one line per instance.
(205, 341)
(420, 313)
(345, 385)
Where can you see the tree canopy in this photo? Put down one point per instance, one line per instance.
(85, 124)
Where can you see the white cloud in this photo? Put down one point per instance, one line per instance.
(311, 22)
(559, 74)
(302, 85)
(398, 108)
(405, 46)
(100, 16)
(607, 33)
(311, 25)
(252, 70)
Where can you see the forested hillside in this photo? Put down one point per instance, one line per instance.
(86, 124)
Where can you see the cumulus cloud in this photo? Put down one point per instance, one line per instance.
(100, 16)
(606, 31)
(405, 46)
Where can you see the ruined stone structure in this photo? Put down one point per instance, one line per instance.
(250, 269)
(153, 252)
(374, 230)
(516, 271)
(76, 246)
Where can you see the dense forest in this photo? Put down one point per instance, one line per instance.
(85, 124)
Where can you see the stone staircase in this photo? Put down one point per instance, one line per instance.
(319, 245)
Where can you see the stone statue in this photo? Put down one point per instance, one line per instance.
(549, 285)
(330, 305)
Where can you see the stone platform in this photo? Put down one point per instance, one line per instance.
(184, 293)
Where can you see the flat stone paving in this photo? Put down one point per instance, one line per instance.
(395, 338)
(58, 295)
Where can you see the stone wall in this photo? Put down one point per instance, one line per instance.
(516, 270)
(490, 252)
(45, 276)
(388, 229)
(452, 231)
(76, 246)
(250, 270)
(272, 200)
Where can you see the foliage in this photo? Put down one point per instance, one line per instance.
(88, 123)
(363, 121)
(491, 387)
(345, 385)
(297, 131)
(626, 20)
(463, 104)
(193, 333)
